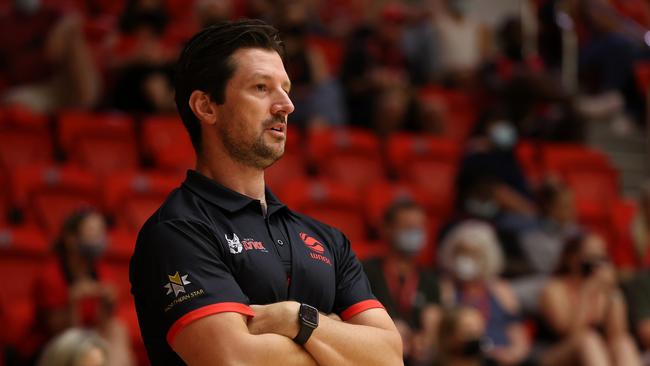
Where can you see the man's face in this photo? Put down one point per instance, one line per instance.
(253, 119)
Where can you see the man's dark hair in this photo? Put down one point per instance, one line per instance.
(398, 206)
(206, 64)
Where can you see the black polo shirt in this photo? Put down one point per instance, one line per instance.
(209, 249)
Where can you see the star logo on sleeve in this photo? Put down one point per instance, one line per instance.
(176, 284)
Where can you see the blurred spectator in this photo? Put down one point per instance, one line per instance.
(316, 95)
(143, 61)
(461, 333)
(464, 43)
(542, 245)
(637, 292)
(490, 157)
(410, 294)
(533, 97)
(75, 289)
(76, 347)
(45, 62)
(584, 315)
(375, 66)
(210, 12)
(471, 260)
(633, 250)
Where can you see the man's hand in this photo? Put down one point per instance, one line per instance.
(277, 318)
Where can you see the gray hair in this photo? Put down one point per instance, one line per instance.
(478, 235)
(70, 346)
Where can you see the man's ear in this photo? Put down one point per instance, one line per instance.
(203, 108)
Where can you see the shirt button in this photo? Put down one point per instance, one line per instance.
(280, 242)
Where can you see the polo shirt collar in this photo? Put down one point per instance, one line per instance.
(224, 197)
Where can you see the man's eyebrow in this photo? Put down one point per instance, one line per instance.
(258, 75)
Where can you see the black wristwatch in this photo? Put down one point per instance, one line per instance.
(308, 319)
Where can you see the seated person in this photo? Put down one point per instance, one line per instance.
(583, 311)
(633, 251)
(461, 338)
(637, 291)
(76, 347)
(75, 289)
(542, 245)
(45, 62)
(471, 260)
(409, 294)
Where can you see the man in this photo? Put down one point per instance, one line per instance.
(225, 274)
(409, 293)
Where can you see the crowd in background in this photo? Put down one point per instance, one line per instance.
(517, 279)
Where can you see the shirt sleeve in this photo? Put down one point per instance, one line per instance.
(178, 273)
(353, 292)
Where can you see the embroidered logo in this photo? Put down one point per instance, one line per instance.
(237, 246)
(316, 249)
(312, 243)
(176, 284)
(233, 244)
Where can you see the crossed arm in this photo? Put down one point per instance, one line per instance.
(368, 338)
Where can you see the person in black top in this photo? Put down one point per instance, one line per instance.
(410, 294)
(223, 272)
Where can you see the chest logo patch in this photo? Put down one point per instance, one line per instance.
(312, 243)
(234, 244)
(237, 246)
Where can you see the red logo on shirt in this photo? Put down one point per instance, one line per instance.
(312, 243)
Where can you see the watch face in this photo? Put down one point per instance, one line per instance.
(309, 314)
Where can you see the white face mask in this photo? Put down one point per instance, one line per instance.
(409, 241)
(504, 135)
(466, 268)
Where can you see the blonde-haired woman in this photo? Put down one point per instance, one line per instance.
(472, 261)
(75, 347)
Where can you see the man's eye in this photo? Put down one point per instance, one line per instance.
(261, 87)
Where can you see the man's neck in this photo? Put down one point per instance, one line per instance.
(233, 175)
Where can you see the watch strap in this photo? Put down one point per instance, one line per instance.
(303, 334)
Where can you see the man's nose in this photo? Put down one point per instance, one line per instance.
(282, 105)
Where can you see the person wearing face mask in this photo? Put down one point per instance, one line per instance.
(74, 288)
(471, 260)
(409, 293)
(584, 314)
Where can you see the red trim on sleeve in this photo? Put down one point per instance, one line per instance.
(359, 308)
(199, 313)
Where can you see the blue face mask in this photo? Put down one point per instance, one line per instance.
(504, 135)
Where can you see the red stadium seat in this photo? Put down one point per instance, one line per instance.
(368, 249)
(106, 156)
(405, 149)
(529, 157)
(135, 211)
(75, 125)
(289, 168)
(23, 241)
(458, 107)
(120, 245)
(49, 194)
(329, 202)
(561, 158)
(20, 147)
(122, 187)
(21, 117)
(379, 196)
(349, 156)
(167, 143)
(642, 76)
(436, 179)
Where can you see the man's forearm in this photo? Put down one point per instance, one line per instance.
(275, 349)
(340, 343)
